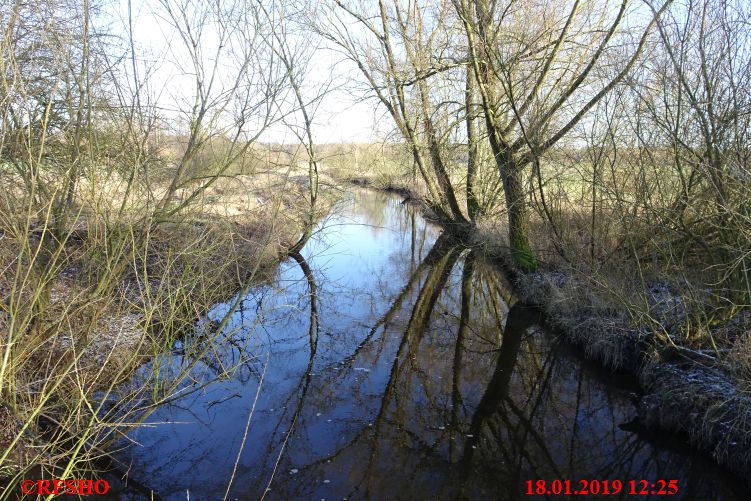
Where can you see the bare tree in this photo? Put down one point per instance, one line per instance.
(294, 47)
(406, 55)
(692, 116)
(538, 77)
(236, 86)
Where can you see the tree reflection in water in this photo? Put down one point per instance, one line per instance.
(396, 373)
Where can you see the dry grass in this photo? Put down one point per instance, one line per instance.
(122, 288)
(377, 166)
(647, 301)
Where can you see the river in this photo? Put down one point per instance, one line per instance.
(392, 363)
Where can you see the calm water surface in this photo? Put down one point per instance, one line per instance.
(390, 363)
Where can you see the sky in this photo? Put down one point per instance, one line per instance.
(164, 68)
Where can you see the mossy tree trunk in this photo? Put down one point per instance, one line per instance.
(518, 218)
(537, 77)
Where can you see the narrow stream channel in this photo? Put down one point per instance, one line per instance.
(401, 368)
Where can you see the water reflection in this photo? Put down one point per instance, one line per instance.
(389, 362)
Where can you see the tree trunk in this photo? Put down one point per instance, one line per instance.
(473, 205)
(510, 171)
(518, 218)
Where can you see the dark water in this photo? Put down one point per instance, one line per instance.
(401, 368)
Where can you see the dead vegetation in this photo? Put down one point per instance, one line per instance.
(87, 326)
(689, 353)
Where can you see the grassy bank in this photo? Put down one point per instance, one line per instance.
(379, 166)
(688, 387)
(84, 307)
(688, 352)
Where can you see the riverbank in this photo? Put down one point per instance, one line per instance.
(99, 324)
(694, 389)
(684, 390)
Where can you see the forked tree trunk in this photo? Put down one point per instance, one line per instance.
(513, 188)
(509, 170)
